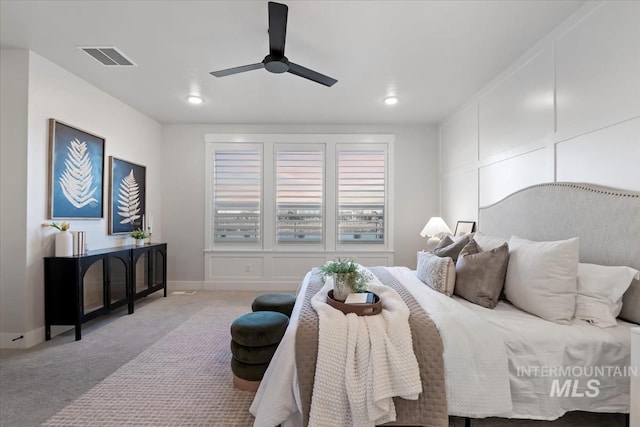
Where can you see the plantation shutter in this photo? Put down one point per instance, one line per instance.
(236, 199)
(299, 195)
(361, 196)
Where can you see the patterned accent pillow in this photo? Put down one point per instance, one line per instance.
(449, 247)
(437, 272)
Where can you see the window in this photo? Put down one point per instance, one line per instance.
(237, 176)
(299, 192)
(299, 196)
(361, 196)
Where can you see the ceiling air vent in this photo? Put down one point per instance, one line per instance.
(108, 56)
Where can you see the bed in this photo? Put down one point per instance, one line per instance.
(497, 362)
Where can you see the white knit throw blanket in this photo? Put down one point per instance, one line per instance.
(363, 361)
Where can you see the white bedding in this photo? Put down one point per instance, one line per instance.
(486, 355)
(475, 362)
(544, 346)
(477, 382)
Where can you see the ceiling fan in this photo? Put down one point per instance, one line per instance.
(275, 61)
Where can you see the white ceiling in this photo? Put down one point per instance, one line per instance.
(433, 54)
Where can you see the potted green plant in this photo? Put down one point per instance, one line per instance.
(140, 235)
(347, 277)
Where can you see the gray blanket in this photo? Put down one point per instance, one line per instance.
(431, 407)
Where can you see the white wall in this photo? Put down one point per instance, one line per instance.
(415, 191)
(14, 72)
(568, 110)
(55, 93)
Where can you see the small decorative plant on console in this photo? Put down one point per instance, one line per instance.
(140, 235)
(347, 277)
(62, 227)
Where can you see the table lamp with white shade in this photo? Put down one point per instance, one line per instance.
(435, 229)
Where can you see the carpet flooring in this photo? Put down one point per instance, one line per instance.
(39, 382)
(165, 365)
(182, 380)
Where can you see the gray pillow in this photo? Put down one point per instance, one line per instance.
(631, 303)
(480, 274)
(445, 241)
(451, 248)
(437, 272)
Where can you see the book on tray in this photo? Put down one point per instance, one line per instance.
(360, 298)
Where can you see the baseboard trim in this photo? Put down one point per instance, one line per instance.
(280, 285)
(17, 340)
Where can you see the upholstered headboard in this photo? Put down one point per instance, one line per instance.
(606, 220)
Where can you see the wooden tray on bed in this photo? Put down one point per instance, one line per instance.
(359, 309)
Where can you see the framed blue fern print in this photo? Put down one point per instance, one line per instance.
(127, 195)
(76, 172)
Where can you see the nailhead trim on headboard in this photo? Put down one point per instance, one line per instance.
(577, 185)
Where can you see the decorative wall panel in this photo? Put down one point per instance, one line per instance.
(598, 69)
(500, 179)
(609, 157)
(519, 109)
(459, 140)
(460, 198)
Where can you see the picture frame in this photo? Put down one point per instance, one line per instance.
(76, 173)
(464, 227)
(127, 196)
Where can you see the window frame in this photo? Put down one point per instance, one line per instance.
(311, 147)
(331, 143)
(210, 213)
(386, 244)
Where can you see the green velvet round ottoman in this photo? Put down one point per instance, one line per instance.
(252, 355)
(254, 340)
(259, 329)
(282, 303)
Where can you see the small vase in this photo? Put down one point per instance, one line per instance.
(140, 242)
(341, 286)
(64, 243)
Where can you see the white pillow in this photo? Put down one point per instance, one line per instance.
(487, 241)
(600, 290)
(542, 278)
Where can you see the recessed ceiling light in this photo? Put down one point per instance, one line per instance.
(193, 99)
(391, 100)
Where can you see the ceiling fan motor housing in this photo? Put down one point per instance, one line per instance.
(276, 64)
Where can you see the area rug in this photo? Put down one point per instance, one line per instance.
(184, 379)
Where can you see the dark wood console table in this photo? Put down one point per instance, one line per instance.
(80, 288)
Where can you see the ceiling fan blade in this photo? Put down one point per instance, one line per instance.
(236, 70)
(301, 71)
(277, 28)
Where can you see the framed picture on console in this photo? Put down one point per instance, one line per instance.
(464, 227)
(127, 196)
(76, 173)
